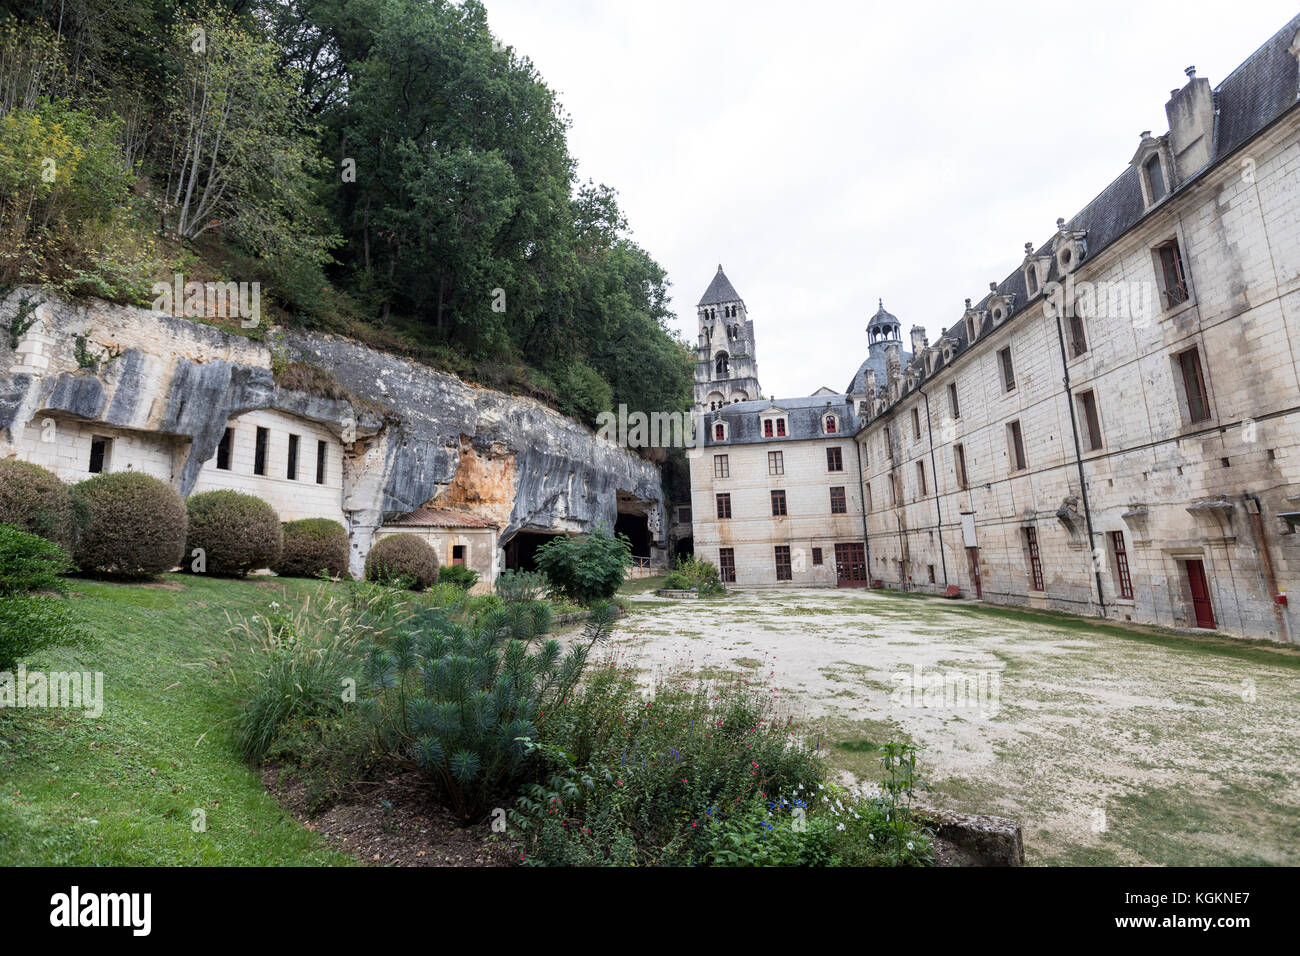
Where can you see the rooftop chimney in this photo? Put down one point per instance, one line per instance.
(1191, 125)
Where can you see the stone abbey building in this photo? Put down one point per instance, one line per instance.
(1113, 429)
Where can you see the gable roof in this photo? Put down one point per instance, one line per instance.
(720, 290)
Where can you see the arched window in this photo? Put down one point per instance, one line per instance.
(719, 432)
(832, 426)
(721, 365)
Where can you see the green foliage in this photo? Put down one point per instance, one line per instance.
(30, 563)
(694, 573)
(134, 525)
(24, 317)
(458, 575)
(405, 560)
(32, 622)
(666, 770)
(35, 500)
(586, 567)
(311, 546)
(584, 394)
(237, 533)
(464, 700)
(514, 586)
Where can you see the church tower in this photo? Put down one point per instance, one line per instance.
(725, 368)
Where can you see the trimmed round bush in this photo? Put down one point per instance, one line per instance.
(134, 525)
(237, 533)
(402, 557)
(311, 546)
(36, 501)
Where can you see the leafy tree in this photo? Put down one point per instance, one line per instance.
(586, 567)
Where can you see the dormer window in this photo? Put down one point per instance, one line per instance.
(1031, 279)
(1155, 179)
(831, 424)
(719, 431)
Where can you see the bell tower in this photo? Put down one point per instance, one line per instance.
(725, 368)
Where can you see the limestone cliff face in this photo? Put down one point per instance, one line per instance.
(442, 441)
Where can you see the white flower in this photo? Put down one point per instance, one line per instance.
(909, 844)
(871, 836)
(841, 827)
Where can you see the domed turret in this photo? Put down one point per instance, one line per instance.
(883, 330)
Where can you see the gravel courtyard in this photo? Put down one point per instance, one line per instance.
(1109, 745)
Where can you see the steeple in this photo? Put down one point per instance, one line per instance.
(725, 369)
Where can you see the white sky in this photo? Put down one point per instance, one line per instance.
(832, 153)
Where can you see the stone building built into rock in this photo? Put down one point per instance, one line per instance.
(94, 388)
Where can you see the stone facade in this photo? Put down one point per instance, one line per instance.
(1125, 438)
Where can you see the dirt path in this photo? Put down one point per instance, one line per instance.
(1108, 746)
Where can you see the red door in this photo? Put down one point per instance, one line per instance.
(1200, 595)
(851, 565)
(973, 555)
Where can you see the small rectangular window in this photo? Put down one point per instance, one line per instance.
(1078, 340)
(1087, 404)
(916, 424)
(889, 445)
(684, 514)
(1016, 444)
(724, 506)
(817, 555)
(259, 451)
(778, 504)
(721, 466)
(291, 472)
(99, 455)
(867, 488)
(783, 563)
(893, 490)
(1121, 566)
(780, 428)
(767, 428)
(1155, 179)
(952, 400)
(834, 459)
(959, 462)
(457, 554)
(320, 461)
(1035, 564)
(223, 449)
(930, 568)
(727, 565)
(1198, 402)
(920, 478)
(1173, 277)
(775, 463)
(1008, 370)
(839, 504)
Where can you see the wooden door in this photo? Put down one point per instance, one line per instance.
(1201, 605)
(973, 556)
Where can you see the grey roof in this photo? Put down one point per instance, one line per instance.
(720, 290)
(744, 419)
(1254, 95)
(876, 362)
(883, 318)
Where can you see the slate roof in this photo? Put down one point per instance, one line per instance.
(719, 290)
(440, 518)
(744, 419)
(1258, 92)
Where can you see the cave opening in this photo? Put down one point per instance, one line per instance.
(683, 548)
(637, 529)
(521, 550)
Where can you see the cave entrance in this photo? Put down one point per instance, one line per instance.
(684, 548)
(637, 529)
(521, 550)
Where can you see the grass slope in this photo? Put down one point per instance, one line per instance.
(122, 789)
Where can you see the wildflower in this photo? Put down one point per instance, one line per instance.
(840, 827)
(909, 844)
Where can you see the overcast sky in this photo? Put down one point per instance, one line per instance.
(830, 154)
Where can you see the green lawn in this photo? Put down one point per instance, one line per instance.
(122, 789)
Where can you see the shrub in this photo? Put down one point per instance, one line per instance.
(31, 622)
(302, 654)
(586, 567)
(312, 546)
(237, 533)
(134, 525)
(700, 575)
(30, 563)
(512, 585)
(676, 581)
(35, 500)
(402, 558)
(458, 575)
(461, 699)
